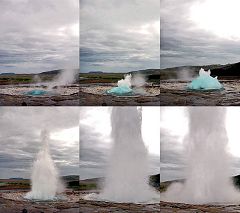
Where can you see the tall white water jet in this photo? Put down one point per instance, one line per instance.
(44, 179)
(127, 176)
(208, 175)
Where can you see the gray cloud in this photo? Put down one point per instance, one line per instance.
(183, 44)
(93, 156)
(172, 157)
(38, 35)
(110, 39)
(20, 139)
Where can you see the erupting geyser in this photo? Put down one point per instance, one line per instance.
(208, 175)
(130, 85)
(127, 176)
(44, 179)
(123, 88)
(205, 82)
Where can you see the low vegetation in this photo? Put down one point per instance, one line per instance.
(71, 181)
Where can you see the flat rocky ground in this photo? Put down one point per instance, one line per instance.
(94, 95)
(174, 93)
(87, 99)
(20, 100)
(14, 96)
(87, 206)
(189, 208)
(17, 206)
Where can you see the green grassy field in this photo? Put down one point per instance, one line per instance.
(71, 181)
(88, 78)
(100, 77)
(23, 79)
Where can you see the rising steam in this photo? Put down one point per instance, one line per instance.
(65, 77)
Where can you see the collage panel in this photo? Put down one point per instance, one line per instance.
(119, 53)
(119, 159)
(199, 49)
(39, 53)
(200, 159)
(79, 106)
(39, 159)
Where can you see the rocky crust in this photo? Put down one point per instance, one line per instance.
(167, 207)
(62, 96)
(12, 202)
(95, 95)
(174, 93)
(87, 206)
(19, 100)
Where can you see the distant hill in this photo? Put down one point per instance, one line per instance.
(17, 179)
(94, 183)
(222, 71)
(146, 72)
(52, 72)
(165, 184)
(96, 72)
(184, 72)
(151, 75)
(154, 180)
(227, 70)
(72, 181)
(8, 73)
(70, 178)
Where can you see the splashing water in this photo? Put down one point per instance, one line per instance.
(123, 88)
(44, 179)
(208, 168)
(205, 82)
(127, 176)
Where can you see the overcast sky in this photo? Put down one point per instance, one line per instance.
(119, 36)
(199, 32)
(39, 35)
(20, 140)
(174, 128)
(96, 142)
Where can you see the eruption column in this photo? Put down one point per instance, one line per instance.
(208, 169)
(127, 177)
(44, 179)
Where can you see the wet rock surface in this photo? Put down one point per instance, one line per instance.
(19, 100)
(87, 206)
(14, 203)
(167, 207)
(174, 93)
(15, 96)
(96, 96)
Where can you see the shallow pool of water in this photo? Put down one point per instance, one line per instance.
(36, 92)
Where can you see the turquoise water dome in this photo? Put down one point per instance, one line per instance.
(120, 90)
(36, 92)
(205, 82)
(123, 88)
